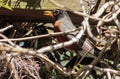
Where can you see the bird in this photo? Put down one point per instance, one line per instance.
(64, 23)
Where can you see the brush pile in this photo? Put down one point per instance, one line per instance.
(28, 50)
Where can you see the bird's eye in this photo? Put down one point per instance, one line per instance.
(56, 12)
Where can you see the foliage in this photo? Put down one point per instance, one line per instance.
(4, 4)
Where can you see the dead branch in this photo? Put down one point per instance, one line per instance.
(20, 63)
(40, 36)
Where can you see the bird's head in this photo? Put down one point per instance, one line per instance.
(57, 13)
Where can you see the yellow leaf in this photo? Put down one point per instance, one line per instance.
(7, 7)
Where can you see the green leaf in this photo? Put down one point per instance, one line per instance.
(7, 7)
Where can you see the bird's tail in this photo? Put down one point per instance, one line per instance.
(85, 44)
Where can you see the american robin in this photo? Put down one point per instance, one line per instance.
(64, 23)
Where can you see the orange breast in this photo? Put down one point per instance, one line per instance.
(61, 38)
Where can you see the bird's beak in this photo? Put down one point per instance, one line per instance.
(48, 13)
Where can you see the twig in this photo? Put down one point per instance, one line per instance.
(107, 70)
(47, 48)
(76, 12)
(103, 8)
(10, 42)
(80, 13)
(64, 44)
(40, 36)
(113, 15)
(6, 28)
(86, 23)
(109, 75)
(115, 18)
(95, 61)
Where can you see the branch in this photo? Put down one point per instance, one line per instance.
(86, 23)
(103, 8)
(40, 36)
(95, 61)
(18, 51)
(10, 42)
(47, 48)
(6, 28)
(78, 13)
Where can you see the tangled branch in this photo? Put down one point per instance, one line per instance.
(14, 52)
